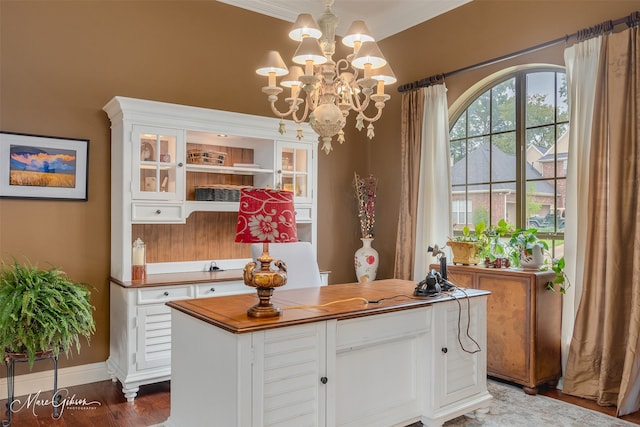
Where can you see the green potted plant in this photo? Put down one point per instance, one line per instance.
(527, 250)
(495, 249)
(561, 281)
(42, 311)
(467, 247)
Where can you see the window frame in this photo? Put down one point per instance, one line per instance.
(460, 107)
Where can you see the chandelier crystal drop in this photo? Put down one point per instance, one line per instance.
(324, 91)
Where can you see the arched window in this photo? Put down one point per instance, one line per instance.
(509, 152)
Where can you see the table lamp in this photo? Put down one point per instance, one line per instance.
(265, 216)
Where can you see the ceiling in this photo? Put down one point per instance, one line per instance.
(383, 17)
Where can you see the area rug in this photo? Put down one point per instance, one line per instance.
(510, 407)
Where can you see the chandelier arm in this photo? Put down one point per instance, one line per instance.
(292, 109)
(376, 117)
(294, 116)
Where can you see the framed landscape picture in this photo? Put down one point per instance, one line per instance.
(43, 167)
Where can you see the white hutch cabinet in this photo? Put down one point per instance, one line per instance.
(162, 155)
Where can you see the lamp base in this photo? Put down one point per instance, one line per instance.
(265, 281)
(264, 308)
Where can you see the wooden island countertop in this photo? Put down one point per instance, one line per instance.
(308, 305)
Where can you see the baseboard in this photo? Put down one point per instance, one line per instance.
(67, 377)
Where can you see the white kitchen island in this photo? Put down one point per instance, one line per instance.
(330, 359)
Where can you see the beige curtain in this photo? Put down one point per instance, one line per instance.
(410, 143)
(604, 356)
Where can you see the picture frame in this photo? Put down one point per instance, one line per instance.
(43, 167)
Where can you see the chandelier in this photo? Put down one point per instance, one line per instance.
(326, 91)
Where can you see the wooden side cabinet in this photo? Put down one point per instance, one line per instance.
(523, 323)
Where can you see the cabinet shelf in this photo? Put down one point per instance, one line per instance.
(230, 170)
(206, 206)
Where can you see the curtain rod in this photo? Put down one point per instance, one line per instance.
(606, 26)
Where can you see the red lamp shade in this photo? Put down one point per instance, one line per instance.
(266, 216)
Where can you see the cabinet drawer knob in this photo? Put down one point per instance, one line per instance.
(166, 294)
(158, 211)
(212, 289)
(180, 164)
(323, 380)
(444, 350)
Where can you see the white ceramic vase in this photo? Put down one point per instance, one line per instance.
(366, 261)
(533, 261)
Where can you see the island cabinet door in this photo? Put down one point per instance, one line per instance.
(459, 351)
(381, 369)
(290, 376)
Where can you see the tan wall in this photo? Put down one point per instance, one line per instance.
(61, 61)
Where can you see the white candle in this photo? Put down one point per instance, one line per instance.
(138, 252)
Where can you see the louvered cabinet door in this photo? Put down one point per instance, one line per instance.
(289, 376)
(459, 350)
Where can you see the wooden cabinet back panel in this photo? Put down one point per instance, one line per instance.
(205, 236)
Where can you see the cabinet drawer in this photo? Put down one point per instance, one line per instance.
(158, 212)
(391, 326)
(164, 294)
(303, 214)
(216, 289)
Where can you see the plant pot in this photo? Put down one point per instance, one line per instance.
(532, 261)
(465, 253)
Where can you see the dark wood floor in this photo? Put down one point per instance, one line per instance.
(152, 406)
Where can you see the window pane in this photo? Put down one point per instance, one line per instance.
(562, 151)
(503, 106)
(503, 202)
(479, 115)
(478, 160)
(458, 150)
(541, 97)
(562, 103)
(541, 205)
(540, 152)
(503, 157)
(478, 204)
(461, 208)
(459, 129)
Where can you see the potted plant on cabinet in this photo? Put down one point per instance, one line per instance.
(561, 280)
(495, 250)
(42, 311)
(467, 247)
(527, 250)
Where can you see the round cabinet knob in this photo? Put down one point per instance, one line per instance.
(166, 294)
(279, 171)
(180, 164)
(212, 289)
(323, 380)
(444, 350)
(158, 211)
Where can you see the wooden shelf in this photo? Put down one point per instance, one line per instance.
(230, 170)
(206, 206)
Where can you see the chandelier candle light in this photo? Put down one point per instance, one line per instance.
(329, 89)
(265, 216)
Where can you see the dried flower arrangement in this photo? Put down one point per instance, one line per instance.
(365, 189)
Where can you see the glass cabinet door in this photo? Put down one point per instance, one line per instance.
(294, 170)
(158, 163)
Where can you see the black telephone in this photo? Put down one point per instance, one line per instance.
(434, 282)
(430, 285)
